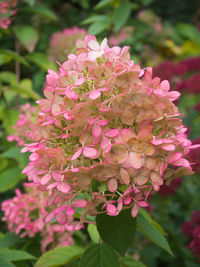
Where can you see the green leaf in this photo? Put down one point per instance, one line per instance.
(30, 2)
(27, 36)
(15, 255)
(117, 231)
(121, 15)
(43, 11)
(131, 262)
(13, 56)
(9, 117)
(9, 240)
(8, 77)
(6, 263)
(24, 89)
(98, 26)
(9, 179)
(100, 255)
(104, 3)
(14, 153)
(189, 32)
(93, 233)
(59, 256)
(94, 19)
(41, 60)
(148, 228)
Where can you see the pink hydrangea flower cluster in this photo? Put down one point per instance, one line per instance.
(192, 230)
(63, 43)
(7, 9)
(25, 215)
(25, 125)
(124, 34)
(106, 136)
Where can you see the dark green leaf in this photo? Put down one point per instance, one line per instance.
(152, 232)
(59, 256)
(93, 233)
(30, 2)
(24, 89)
(94, 19)
(9, 179)
(131, 262)
(121, 15)
(99, 26)
(100, 255)
(41, 60)
(9, 240)
(6, 263)
(8, 77)
(27, 36)
(117, 231)
(14, 56)
(104, 3)
(15, 255)
(42, 11)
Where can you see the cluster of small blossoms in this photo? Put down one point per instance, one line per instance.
(7, 9)
(107, 134)
(192, 230)
(63, 43)
(25, 215)
(25, 125)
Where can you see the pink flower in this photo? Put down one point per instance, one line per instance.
(104, 119)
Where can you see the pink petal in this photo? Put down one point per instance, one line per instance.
(174, 157)
(34, 157)
(80, 203)
(102, 122)
(157, 142)
(96, 131)
(93, 44)
(70, 211)
(135, 160)
(182, 162)
(48, 94)
(45, 179)
(104, 43)
(112, 133)
(143, 204)
(77, 154)
(94, 94)
(71, 94)
(67, 117)
(170, 147)
(120, 205)
(134, 210)
(173, 95)
(55, 109)
(61, 218)
(193, 146)
(111, 210)
(63, 187)
(49, 217)
(165, 85)
(80, 81)
(57, 176)
(112, 184)
(127, 201)
(51, 186)
(90, 152)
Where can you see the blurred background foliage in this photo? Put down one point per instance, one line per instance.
(162, 34)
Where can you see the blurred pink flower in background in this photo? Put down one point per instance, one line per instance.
(63, 43)
(7, 9)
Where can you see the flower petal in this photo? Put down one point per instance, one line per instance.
(90, 152)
